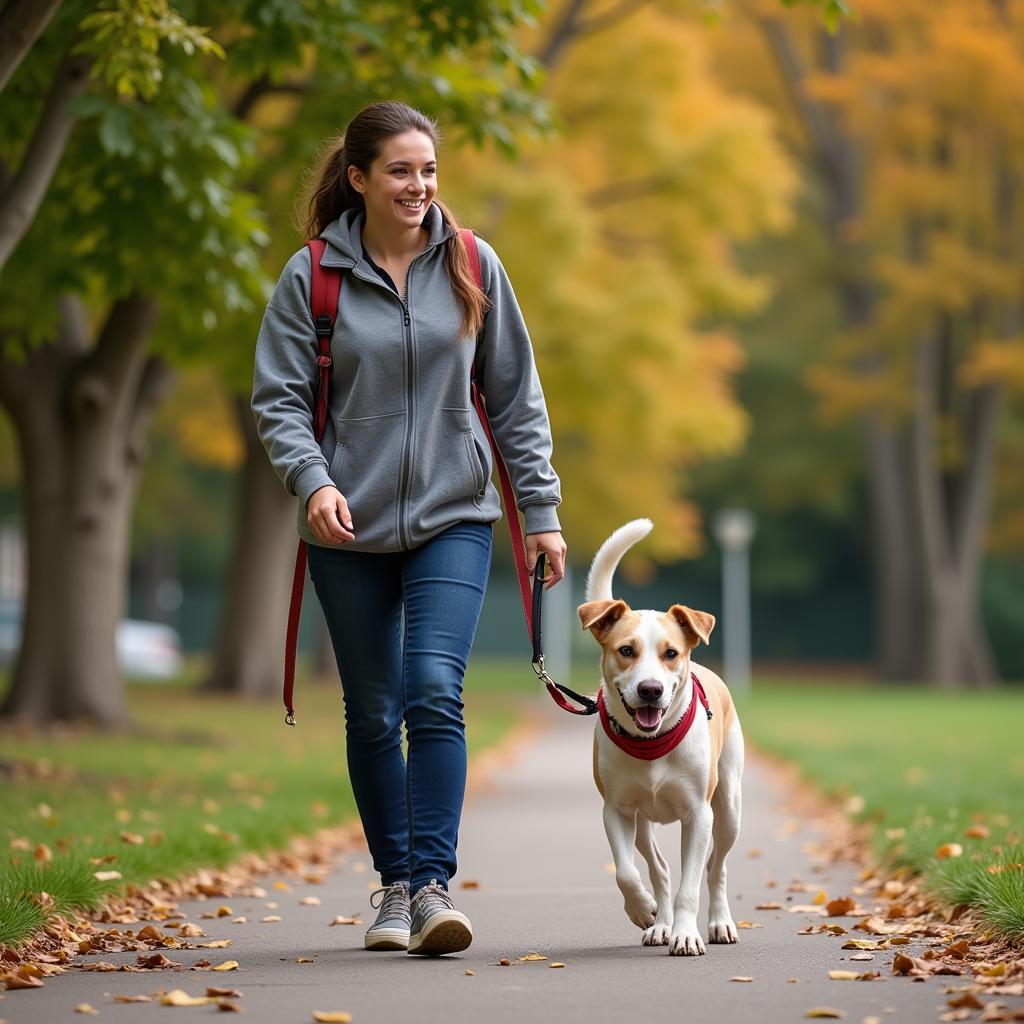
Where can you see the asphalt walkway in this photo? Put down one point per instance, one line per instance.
(533, 841)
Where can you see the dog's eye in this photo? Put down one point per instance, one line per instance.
(626, 651)
(670, 654)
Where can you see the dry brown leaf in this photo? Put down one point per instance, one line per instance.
(843, 975)
(309, 901)
(555, 964)
(106, 876)
(820, 898)
(305, 959)
(875, 926)
(228, 965)
(18, 979)
(150, 933)
(748, 924)
(978, 832)
(241, 919)
(866, 944)
(270, 919)
(155, 962)
(216, 944)
(533, 956)
(223, 911)
(225, 1007)
(470, 884)
(190, 931)
(839, 907)
(947, 850)
(469, 972)
(824, 1011)
(332, 1016)
(768, 906)
(87, 1008)
(741, 977)
(862, 956)
(133, 999)
(966, 999)
(223, 993)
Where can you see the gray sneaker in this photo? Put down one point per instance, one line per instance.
(437, 927)
(391, 929)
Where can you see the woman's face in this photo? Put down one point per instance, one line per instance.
(402, 181)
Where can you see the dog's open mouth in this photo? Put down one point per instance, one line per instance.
(647, 718)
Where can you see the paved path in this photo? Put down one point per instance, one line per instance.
(534, 841)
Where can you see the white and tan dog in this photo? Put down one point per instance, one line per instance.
(647, 690)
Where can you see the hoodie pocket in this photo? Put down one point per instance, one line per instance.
(367, 466)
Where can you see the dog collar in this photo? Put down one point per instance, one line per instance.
(656, 746)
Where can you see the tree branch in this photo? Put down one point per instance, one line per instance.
(611, 17)
(565, 31)
(21, 200)
(21, 24)
(261, 87)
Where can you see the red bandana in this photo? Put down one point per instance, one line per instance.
(659, 746)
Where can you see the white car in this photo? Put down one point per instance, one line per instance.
(145, 650)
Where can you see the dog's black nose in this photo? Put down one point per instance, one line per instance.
(650, 690)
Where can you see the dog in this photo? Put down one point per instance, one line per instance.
(645, 773)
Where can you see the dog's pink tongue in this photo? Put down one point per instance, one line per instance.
(648, 717)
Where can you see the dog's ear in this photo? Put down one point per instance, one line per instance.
(695, 625)
(600, 616)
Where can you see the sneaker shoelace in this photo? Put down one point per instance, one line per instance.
(394, 901)
(432, 896)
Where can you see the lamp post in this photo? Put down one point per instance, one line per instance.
(734, 530)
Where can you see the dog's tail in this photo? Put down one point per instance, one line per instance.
(609, 554)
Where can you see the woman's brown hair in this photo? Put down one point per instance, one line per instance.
(332, 193)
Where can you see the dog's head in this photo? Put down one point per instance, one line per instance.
(645, 658)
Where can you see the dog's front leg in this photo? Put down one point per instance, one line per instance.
(621, 831)
(684, 939)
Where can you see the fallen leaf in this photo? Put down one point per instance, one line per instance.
(947, 850)
(106, 876)
(190, 931)
(533, 956)
(225, 1007)
(966, 999)
(978, 832)
(270, 919)
(16, 979)
(470, 972)
(86, 1008)
(768, 906)
(843, 975)
(820, 898)
(740, 977)
(224, 911)
(133, 999)
(223, 993)
(862, 956)
(866, 944)
(839, 907)
(555, 964)
(332, 1016)
(748, 924)
(824, 1011)
(345, 920)
(228, 965)
(470, 884)
(178, 997)
(305, 959)
(503, 962)
(241, 919)
(216, 944)
(309, 901)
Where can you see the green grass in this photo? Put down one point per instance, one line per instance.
(202, 779)
(928, 766)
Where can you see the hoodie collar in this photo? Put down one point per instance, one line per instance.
(344, 236)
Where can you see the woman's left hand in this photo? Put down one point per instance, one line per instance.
(553, 546)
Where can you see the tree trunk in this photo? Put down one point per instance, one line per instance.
(249, 655)
(80, 415)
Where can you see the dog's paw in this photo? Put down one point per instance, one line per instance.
(641, 908)
(685, 943)
(656, 935)
(722, 931)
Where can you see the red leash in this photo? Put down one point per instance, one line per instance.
(325, 290)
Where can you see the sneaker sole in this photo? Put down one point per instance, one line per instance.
(387, 938)
(445, 933)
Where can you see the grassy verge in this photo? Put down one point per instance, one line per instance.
(203, 780)
(927, 769)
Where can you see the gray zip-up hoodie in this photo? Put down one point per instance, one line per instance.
(403, 441)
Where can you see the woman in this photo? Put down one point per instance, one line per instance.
(396, 503)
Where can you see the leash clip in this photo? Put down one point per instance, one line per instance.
(289, 719)
(538, 667)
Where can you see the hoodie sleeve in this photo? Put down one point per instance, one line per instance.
(508, 378)
(283, 382)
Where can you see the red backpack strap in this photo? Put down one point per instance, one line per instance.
(508, 495)
(323, 307)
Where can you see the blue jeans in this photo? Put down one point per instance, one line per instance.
(410, 812)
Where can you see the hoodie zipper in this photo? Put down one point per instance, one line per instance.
(405, 483)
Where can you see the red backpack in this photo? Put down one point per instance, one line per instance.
(325, 289)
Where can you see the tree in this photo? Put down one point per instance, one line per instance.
(901, 117)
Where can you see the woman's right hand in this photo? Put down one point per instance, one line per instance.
(328, 516)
